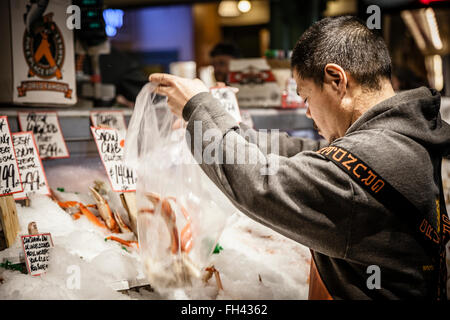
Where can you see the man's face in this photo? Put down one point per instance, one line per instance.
(324, 107)
(221, 65)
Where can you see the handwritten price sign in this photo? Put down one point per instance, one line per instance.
(37, 251)
(9, 170)
(46, 130)
(30, 165)
(110, 143)
(108, 119)
(228, 98)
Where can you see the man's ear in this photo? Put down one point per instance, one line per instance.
(336, 77)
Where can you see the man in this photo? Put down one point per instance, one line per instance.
(221, 55)
(363, 247)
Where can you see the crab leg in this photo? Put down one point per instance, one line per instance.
(209, 272)
(91, 217)
(76, 215)
(186, 238)
(123, 227)
(84, 210)
(67, 204)
(124, 242)
(186, 232)
(105, 211)
(146, 210)
(169, 217)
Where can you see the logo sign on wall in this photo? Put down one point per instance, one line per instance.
(30, 165)
(47, 131)
(43, 59)
(9, 169)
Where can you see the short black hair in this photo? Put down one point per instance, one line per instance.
(225, 48)
(347, 42)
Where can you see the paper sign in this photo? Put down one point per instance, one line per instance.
(37, 250)
(108, 119)
(47, 132)
(9, 170)
(30, 165)
(228, 98)
(110, 143)
(256, 82)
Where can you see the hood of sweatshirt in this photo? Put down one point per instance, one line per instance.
(414, 114)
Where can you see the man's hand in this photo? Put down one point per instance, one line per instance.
(178, 90)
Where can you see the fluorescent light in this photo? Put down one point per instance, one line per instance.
(434, 69)
(438, 75)
(434, 30)
(228, 8)
(244, 6)
(413, 28)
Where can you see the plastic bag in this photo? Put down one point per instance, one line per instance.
(181, 213)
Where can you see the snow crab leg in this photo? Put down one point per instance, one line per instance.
(84, 210)
(124, 242)
(179, 241)
(105, 211)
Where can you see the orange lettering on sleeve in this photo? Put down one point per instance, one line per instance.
(356, 169)
(346, 163)
(367, 181)
(343, 153)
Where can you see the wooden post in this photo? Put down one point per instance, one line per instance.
(25, 202)
(32, 228)
(129, 203)
(9, 219)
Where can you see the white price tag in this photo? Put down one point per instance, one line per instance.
(47, 131)
(9, 169)
(37, 251)
(30, 165)
(108, 119)
(110, 143)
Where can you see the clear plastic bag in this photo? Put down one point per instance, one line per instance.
(181, 213)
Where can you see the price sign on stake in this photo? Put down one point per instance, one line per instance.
(228, 98)
(108, 119)
(37, 250)
(10, 181)
(47, 131)
(110, 143)
(30, 165)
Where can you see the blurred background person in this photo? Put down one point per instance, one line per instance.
(221, 55)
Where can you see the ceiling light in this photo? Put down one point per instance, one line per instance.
(413, 28)
(228, 8)
(434, 29)
(244, 6)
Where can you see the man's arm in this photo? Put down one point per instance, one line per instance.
(279, 143)
(304, 197)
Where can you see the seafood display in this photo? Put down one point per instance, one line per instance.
(107, 218)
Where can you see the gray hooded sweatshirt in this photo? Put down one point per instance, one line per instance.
(311, 200)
